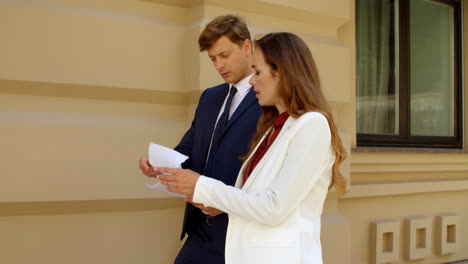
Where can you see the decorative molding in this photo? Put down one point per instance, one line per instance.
(405, 157)
(178, 3)
(385, 239)
(403, 188)
(418, 235)
(85, 207)
(95, 92)
(289, 11)
(408, 167)
(447, 233)
(407, 150)
(69, 7)
(396, 167)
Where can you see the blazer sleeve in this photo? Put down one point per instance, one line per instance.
(308, 156)
(185, 145)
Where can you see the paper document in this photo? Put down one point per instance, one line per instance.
(160, 156)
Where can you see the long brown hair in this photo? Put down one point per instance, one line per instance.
(300, 91)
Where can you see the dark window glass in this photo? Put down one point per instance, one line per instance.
(408, 81)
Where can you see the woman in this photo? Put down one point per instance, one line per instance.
(275, 206)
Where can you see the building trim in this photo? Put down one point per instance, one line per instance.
(403, 188)
(97, 92)
(88, 206)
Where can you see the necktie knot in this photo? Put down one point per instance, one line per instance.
(227, 107)
(233, 91)
(222, 121)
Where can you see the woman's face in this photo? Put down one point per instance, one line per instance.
(265, 82)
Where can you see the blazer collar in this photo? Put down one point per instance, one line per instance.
(217, 103)
(248, 100)
(265, 158)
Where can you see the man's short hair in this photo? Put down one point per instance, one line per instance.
(230, 26)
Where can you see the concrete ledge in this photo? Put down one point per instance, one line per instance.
(406, 150)
(399, 188)
(91, 206)
(107, 93)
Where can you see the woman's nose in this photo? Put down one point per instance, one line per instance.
(252, 81)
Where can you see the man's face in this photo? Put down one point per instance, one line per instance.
(231, 60)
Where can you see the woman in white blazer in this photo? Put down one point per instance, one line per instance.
(276, 204)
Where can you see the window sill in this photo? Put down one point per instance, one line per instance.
(407, 150)
(404, 188)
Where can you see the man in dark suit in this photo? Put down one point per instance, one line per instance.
(224, 122)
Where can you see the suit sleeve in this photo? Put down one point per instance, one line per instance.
(185, 145)
(308, 155)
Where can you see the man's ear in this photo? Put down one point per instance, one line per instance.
(247, 47)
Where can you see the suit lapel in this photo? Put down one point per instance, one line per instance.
(258, 168)
(240, 177)
(248, 100)
(213, 115)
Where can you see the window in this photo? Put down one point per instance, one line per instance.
(408, 84)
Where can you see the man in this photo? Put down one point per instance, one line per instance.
(224, 122)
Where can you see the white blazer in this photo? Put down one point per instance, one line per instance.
(275, 216)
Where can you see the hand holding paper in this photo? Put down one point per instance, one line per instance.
(178, 180)
(160, 156)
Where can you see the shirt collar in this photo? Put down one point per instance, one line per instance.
(281, 119)
(243, 86)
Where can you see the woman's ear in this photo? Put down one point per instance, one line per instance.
(274, 73)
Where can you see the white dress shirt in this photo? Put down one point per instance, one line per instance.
(243, 87)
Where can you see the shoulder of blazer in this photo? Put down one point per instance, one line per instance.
(311, 116)
(212, 98)
(218, 90)
(307, 119)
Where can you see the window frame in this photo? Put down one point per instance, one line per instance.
(403, 138)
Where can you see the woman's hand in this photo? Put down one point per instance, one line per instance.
(180, 181)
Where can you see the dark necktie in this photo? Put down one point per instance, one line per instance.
(222, 121)
(224, 117)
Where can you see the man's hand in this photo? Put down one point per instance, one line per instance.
(178, 180)
(207, 210)
(146, 168)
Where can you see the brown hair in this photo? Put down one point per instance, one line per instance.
(230, 26)
(299, 89)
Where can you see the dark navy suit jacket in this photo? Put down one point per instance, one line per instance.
(226, 162)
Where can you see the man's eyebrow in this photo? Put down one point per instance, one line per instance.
(219, 53)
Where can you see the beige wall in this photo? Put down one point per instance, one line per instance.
(115, 237)
(85, 85)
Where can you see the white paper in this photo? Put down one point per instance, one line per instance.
(160, 156)
(158, 186)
